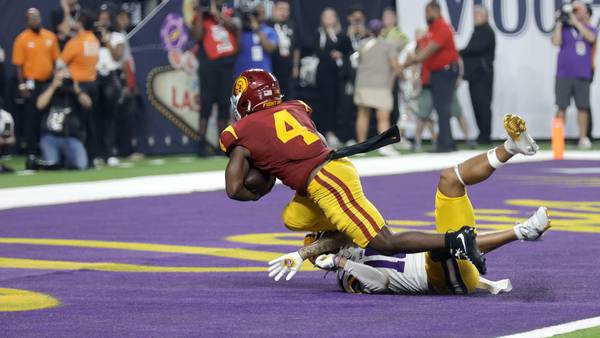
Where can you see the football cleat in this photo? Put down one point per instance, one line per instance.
(463, 245)
(495, 287)
(519, 141)
(534, 227)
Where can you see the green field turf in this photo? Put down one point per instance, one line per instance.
(153, 165)
(592, 332)
(150, 166)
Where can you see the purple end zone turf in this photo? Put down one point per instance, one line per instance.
(554, 281)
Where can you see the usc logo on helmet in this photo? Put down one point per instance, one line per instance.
(240, 86)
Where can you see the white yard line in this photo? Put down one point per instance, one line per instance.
(558, 329)
(214, 180)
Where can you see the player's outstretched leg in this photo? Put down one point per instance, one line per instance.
(530, 230)
(461, 244)
(480, 167)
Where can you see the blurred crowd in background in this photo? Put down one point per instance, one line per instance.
(73, 101)
(76, 95)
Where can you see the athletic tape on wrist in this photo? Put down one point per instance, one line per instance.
(493, 159)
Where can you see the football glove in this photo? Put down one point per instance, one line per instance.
(327, 262)
(287, 264)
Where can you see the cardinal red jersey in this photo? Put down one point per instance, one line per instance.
(282, 140)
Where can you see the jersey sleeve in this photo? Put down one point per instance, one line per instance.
(68, 52)
(304, 106)
(272, 35)
(228, 139)
(55, 50)
(18, 54)
(373, 280)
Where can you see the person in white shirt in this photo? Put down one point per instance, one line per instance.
(110, 62)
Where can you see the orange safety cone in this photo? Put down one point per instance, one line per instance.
(558, 138)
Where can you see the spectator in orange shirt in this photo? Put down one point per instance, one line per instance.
(81, 56)
(64, 20)
(34, 52)
(81, 52)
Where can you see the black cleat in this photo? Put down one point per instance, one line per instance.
(463, 245)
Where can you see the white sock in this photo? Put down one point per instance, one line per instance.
(493, 159)
(507, 146)
(458, 175)
(517, 230)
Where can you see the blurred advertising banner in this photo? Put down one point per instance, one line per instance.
(166, 68)
(525, 65)
(166, 72)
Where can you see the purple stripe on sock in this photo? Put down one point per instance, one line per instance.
(373, 252)
(398, 265)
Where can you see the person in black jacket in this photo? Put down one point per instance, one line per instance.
(478, 59)
(286, 58)
(333, 49)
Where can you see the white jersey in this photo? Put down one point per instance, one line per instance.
(106, 63)
(403, 273)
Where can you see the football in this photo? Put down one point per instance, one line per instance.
(259, 181)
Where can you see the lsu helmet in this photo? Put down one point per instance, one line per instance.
(349, 283)
(254, 90)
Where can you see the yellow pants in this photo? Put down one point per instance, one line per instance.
(335, 201)
(446, 274)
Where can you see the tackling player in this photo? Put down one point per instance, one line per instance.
(281, 139)
(367, 271)
(371, 272)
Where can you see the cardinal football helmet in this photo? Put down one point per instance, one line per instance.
(254, 90)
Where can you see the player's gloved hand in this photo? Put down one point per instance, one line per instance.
(327, 262)
(287, 264)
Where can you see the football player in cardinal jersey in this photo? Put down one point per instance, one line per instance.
(281, 139)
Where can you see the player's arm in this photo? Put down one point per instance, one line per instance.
(373, 280)
(235, 174)
(290, 263)
(423, 54)
(331, 241)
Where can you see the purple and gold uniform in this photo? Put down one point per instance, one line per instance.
(283, 141)
(415, 273)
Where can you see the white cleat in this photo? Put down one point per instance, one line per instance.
(533, 228)
(495, 287)
(519, 141)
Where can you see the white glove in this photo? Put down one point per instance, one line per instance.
(287, 263)
(326, 262)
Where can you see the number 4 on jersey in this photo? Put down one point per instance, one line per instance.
(287, 128)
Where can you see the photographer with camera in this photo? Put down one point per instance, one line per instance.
(217, 33)
(64, 108)
(80, 55)
(7, 137)
(258, 41)
(576, 38)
